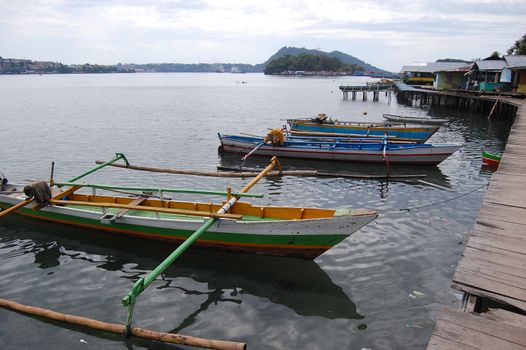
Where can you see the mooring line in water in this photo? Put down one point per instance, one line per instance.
(120, 329)
(445, 201)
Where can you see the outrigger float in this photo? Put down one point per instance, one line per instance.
(230, 225)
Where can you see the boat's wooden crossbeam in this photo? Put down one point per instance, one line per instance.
(109, 218)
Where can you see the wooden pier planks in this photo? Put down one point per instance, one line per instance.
(494, 261)
(501, 330)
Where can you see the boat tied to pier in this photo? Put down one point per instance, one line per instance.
(378, 150)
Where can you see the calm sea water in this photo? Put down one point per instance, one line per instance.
(381, 288)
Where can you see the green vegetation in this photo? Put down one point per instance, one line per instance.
(309, 63)
(519, 48)
(495, 55)
(455, 60)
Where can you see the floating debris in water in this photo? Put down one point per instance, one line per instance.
(416, 294)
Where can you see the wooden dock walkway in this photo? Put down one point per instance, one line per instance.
(492, 272)
(472, 101)
(374, 88)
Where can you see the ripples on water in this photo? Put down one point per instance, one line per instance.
(356, 295)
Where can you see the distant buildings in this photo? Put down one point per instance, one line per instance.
(424, 73)
(492, 74)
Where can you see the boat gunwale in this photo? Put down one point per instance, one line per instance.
(251, 219)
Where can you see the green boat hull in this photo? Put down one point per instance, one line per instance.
(307, 246)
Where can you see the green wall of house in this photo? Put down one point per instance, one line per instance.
(450, 80)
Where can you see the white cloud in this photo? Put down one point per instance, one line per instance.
(109, 31)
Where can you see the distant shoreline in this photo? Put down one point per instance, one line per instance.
(310, 74)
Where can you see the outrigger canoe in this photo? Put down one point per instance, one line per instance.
(285, 231)
(393, 131)
(370, 150)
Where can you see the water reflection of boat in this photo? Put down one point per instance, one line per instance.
(300, 285)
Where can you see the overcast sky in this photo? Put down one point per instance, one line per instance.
(387, 34)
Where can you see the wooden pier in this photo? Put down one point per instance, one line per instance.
(492, 272)
(365, 89)
(469, 101)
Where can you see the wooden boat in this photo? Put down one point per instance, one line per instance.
(490, 159)
(393, 130)
(414, 120)
(285, 231)
(373, 152)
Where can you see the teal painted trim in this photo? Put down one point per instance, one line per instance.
(377, 132)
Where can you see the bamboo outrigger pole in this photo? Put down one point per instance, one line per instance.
(143, 282)
(109, 162)
(119, 328)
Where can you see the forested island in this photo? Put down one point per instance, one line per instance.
(310, 64)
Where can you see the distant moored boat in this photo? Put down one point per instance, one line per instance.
(321, 126)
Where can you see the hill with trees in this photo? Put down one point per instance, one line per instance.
(309, 63)
(343, 57)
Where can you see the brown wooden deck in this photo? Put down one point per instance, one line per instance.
(492, 272)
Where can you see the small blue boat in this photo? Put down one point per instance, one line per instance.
(366, 150)
(393, 131)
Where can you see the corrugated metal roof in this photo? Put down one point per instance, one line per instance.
(510, 61)
(432, 67)
(465, 68)
(491, 65)
(516, 61)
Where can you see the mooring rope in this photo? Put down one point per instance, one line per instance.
(445, 201)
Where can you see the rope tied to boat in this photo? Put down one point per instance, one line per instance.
(39, 191)
(445, 201)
